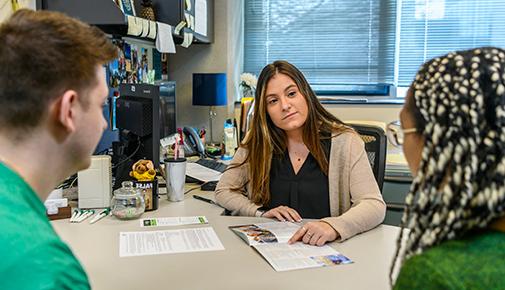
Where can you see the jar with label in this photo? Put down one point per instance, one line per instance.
(127, 202)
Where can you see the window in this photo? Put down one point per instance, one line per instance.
(332, 42)
(337, 43)
(430, 28)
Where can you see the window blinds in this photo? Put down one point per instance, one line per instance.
(331, 42)
(429, 28)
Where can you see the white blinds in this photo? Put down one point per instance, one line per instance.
(429, 28)
(330, 41)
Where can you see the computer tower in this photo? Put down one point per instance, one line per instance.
(144, 114)
(137, 112)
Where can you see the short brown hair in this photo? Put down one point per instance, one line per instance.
(43, 54)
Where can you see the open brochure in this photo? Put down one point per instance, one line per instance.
(271, 241)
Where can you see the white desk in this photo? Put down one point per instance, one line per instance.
(237, 267)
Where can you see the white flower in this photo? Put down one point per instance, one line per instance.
(248, 80)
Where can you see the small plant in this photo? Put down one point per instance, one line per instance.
(248, 84)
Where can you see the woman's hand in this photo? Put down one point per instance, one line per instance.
(315, 233)
(283, 213)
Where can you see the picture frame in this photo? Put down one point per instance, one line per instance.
(128, 7)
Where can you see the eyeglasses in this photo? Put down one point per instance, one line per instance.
(395, 133)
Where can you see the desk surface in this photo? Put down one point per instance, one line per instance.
(237, 267)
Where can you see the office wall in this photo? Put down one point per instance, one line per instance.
(369, 112)
(223, 55)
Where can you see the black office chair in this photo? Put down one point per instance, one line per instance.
(375, 147)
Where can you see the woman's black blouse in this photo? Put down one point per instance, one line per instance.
(307, 192)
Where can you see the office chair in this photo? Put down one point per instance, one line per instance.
(375, 147)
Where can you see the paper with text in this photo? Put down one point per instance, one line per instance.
(173, 221)
(168, 242)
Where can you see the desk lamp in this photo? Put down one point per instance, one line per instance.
(209, 89)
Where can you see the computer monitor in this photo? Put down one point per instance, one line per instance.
(167, 108)
(144, 114)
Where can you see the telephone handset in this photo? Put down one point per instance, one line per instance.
(192, 143)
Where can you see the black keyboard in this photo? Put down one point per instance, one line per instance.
(209, 186)
(212, 164)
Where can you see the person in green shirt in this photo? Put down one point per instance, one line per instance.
(453, 135)
(52, 91)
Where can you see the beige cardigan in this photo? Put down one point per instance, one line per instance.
(356, 204)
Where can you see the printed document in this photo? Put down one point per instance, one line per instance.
(173, 221)
(168, 242)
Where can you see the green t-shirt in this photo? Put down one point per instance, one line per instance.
(32, 254)
(474, 262)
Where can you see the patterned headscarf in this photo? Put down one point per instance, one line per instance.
(460, 184)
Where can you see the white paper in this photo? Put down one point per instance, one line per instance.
(173, 221)
(201, 17)
(179, 26)
(145, 27)
(164, 40)
(134, 26)
(152, 30)
(201, 172)
(285, 257)
(188, 39)
(192, 21)
(187, 17)
(188, 5)
(168, 242)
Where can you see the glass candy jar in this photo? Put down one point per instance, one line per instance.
(127, 202)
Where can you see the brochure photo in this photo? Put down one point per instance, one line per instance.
(270, 240)
(272, 232)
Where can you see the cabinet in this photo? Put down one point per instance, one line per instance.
(394, 192)
(106, 15)
(173, 12)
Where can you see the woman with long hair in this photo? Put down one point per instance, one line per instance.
(298, 160)
(453, 135)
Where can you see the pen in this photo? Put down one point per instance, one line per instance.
(87, 214)
(74, 215)
(204, 199)
(100, 216)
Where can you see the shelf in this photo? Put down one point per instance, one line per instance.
(104, 14)
(107, 16)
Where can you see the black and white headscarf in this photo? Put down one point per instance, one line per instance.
(460, 184)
